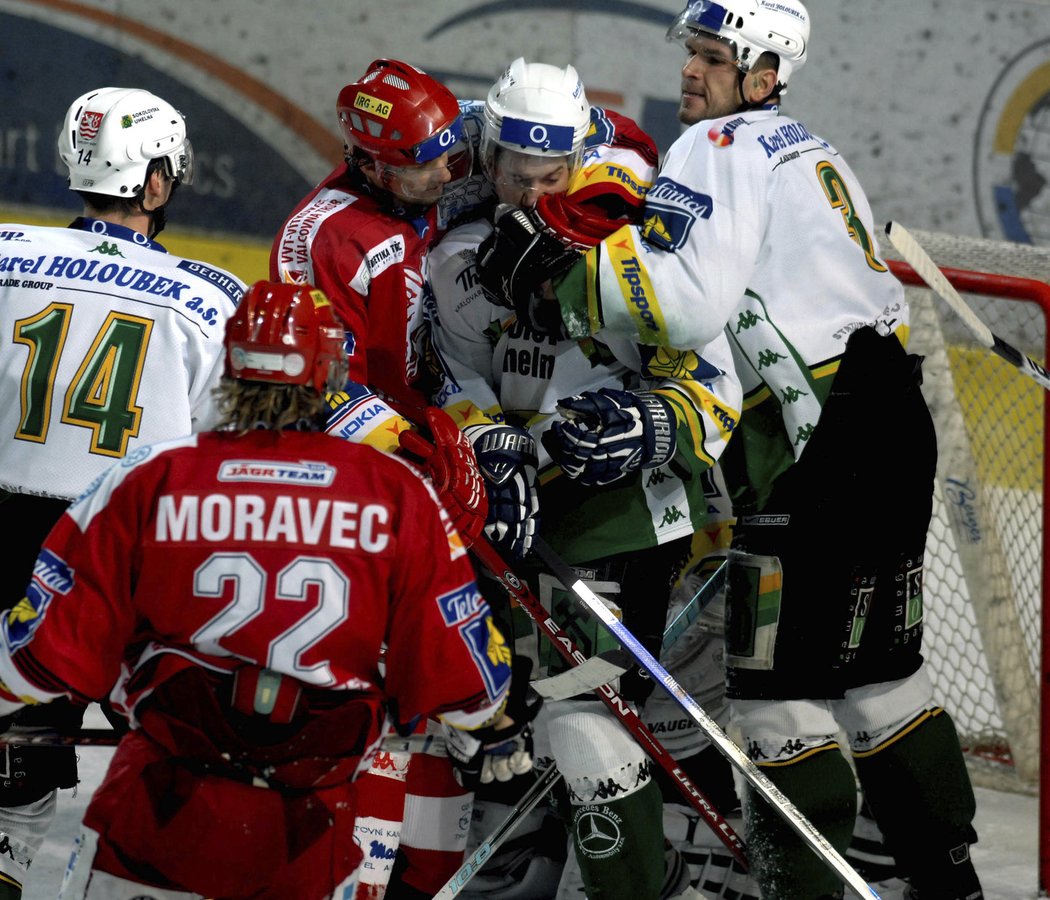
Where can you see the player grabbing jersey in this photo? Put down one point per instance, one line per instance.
(627, 522)
(239, 586)
(111, 343)
(757, 229)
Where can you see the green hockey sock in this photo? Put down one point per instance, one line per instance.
(823, 788)
(620, 845)
(919, 793)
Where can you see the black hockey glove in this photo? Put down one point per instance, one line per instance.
(507, 458)
(608, 434)
(516, 259)
(502, 751)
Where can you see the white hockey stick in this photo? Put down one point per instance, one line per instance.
(927, 269)
(487, 847)
(755, 776)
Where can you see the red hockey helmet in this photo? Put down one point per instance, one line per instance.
(398, 115)
(286, 334)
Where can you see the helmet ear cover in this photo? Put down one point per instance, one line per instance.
(286, 334)
(111, 136)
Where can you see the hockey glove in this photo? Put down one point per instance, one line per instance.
(501, 751)
(609, 434)
(516, 259)
(450, 464)
(507, 458)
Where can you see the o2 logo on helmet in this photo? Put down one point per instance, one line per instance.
(440, 143)
(369, 104)
(536, 134)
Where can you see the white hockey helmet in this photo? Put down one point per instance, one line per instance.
(751, 27)
(110, 136)
(536, 109)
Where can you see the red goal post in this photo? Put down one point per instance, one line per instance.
(987, 626)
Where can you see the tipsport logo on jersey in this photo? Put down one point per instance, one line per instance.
(1012, 154)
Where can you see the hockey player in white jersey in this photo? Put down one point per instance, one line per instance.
(110, 343)
(759, 230)
(627, 527)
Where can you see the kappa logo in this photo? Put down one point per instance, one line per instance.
(598, 832)
(107, 249)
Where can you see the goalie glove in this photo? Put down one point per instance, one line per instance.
(507, 459)
(608, 434)
(450, 465)
(514, 262)
(501, 751)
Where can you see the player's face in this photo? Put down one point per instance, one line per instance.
(422, 184)
(522, 178)
(710, 81)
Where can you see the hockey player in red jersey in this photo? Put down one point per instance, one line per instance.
(238, 586)
(363, 235)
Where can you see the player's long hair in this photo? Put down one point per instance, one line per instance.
(247, 405)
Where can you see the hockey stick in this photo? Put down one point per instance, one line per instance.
(621, 708)
(755, 776)
(927, 269)
(688, 614)
(696, 605)
(585, 676)
(487, 847)
(19, 736)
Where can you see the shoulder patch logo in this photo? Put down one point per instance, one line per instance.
(670, 211)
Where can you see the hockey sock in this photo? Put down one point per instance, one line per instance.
(824, 789)
(620, 846)
(920, 794)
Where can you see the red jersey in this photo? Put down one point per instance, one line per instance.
(287, 551)
(371, 263)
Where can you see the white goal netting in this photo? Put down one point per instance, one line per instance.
(984, 591)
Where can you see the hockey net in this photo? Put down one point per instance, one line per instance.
(984, 590)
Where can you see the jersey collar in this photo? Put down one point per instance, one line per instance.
(110, 229)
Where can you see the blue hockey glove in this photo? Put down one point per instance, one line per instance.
(507, 458)
(608, 434)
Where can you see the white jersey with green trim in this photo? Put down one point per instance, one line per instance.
(110, 343)
(504, 369)
(757, 227)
